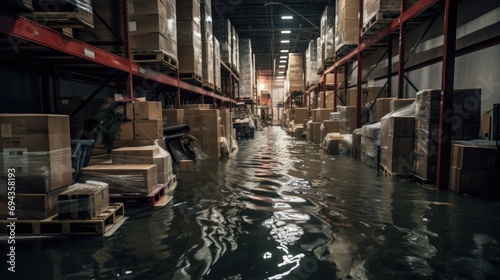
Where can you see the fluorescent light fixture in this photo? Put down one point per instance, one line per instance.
(283, 57)
(286, 17)
(282, 66)
(284, 50)
(281, 72)
(286, 31)
(280, 77)
(285, 41)
(282, 61)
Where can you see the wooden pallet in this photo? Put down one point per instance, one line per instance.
(209, 86)
(191, 78)
(155, 198)
(101, 225)
(155, 59)
(78, 19)
(376, 23)
(344, 49)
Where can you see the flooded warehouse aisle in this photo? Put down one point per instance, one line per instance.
(282, 209)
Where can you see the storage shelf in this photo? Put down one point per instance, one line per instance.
(23, 34)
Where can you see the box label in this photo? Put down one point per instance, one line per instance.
(17, 159)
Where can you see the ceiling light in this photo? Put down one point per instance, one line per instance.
(285, 41)
(286, 31)
(282, 66)
(283, 57)
(284, 50)
(281, 72)
(280, 77)
(282, 61)
(287, 17)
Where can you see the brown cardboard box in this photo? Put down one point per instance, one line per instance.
(137, 143)
(126, 131)
(210, 119)
(38, 148)
(151, 41)
(149, 110)
(382, 108)
(323, 114)
(472, 157)
(356, 143)
(300, 114)
(141, 24)
(32, 206)
(148, 129)
(402, 126)
(83, 201)
(147, 7)
(399, 148)
(397, 104)
(196, 106)
(330, 78)
(297, 132)
(123, 153)
(123, 178)
(172, 117)
(316, 133)
(186, 165)
(472, 182)
(193, 118)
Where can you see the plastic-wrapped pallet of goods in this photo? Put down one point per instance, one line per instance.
(222, 31)
(189, 42)
(63, 13)
(346, 26)
(319, 51)
(295, 73)
(377, 14)
(217, 70)
(370, 139)
(207, 42)
(246, 76)
(327, 22)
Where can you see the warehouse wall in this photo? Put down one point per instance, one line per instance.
(73, 88)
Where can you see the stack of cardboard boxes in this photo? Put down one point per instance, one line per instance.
(346, 26)
(189, 43)
(35, 154)
(328, 127)
(247, 73)
(235, 46)
(312, 63)
(83, 201)
(172, 117)
(396, 144)
(370, 139)
(327, 30)
(152, 26)
(205, 126)
(217, 70)
(222, 31)
(207, 44)
(465, 126)
(318, 117)
(295, 73)
(382, 107)
(474, 168)
(348, 115)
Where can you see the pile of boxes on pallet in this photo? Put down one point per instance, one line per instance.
(379, 11)
(222, 31)
(207, 43)
(330, 134)
(348, 118)
(370, 140)
(300, 115)
(319, 51)
(311, 69)
(346, 26)
(318, 117)
(63, 13)
(247, 73)
(144, 124)
(36, 155)
(465, 123)
(152, 26)
(295, 73)
(189, 37)
(217, 70)
(327, 35)
(235, 45)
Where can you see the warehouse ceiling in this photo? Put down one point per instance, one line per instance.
(263, 23)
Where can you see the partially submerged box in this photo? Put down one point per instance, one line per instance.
(83, 201)
(186, 165)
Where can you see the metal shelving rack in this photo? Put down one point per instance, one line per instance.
(89, 61)
(449, 54)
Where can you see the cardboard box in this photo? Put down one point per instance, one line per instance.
(32, 206)
(186, 165)
(148, 129)
(471, 157)
(297, 132)
(323, 114)
(401, 126)
(316, 133)
(172, 117)
(148, 23)
(148, 110)
(83, 201)
(397, 104)
(38, 148)
(300, 114)
(399, 148)
(382, 107)
(472, 182)
(147, 7)
(126, 131)
(123, 178)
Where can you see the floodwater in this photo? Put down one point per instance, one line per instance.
(281, 209)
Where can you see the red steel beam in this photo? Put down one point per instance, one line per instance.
(324, 91)
(445, 125)
(128, 54)
(335, 82)
(402, 46)
(412, 12)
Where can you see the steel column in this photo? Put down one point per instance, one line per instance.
(445, 126)
(402, 46)
(128, 54)
(389, 68)
(324, 90)
(360, 65)
(335, 87)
